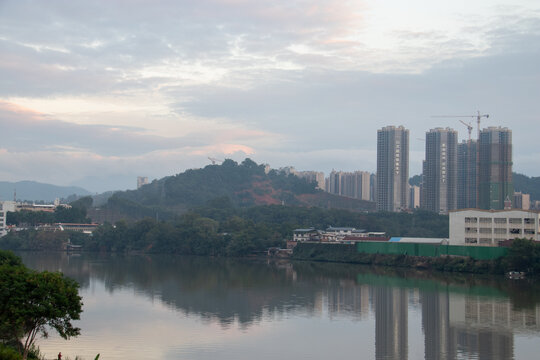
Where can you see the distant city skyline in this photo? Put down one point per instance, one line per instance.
(93, 92)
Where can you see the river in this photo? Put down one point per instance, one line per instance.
(166, 307)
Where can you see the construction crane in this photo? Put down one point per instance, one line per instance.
(478, 116)
(469, 128)
(214, 160)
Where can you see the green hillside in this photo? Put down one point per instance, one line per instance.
(244, 185)
(522, 183)
(527, 185)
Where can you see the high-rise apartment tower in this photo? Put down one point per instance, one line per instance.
(392, 168)
(467, 175)
(440, 170)
(494, 168)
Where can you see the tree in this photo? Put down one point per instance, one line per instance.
(524, 255)
(31, 302)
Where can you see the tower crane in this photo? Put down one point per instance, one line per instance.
(469, 128)
(478, 116)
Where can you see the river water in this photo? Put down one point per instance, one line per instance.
(166, 307)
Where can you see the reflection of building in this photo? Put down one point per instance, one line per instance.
(391, 323)
(439, 340)
(488, 227)
(392, 168)
(350, 298)
(480, 312)
(483, 326)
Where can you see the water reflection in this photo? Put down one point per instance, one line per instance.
(458, 316)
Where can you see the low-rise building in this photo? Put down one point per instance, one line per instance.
(332, 234)
(417, 240)
(309, 234)
(489, 227)
(522, 201)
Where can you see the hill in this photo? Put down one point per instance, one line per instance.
(527, 185)
(35, 191)
(522, 183)
(244, 185)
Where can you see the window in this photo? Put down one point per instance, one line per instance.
(515, 220)
(515, 231)
(470, 230)
(528, 221)
(529, 231)
(471, 220)
(485, 241)
(500, 220)
(485, 220)
(485, 230)
(470, 241)
(499, 231)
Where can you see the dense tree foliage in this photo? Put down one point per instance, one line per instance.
(61, 214)
(34, 240)
(31, 302)
(524, 255)
(245, 184)
(286, 218)
(415, 180)
(222, 229)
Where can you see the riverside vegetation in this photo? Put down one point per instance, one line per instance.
(523, 255)
(31, 303)
(221, 229)
(234, 210)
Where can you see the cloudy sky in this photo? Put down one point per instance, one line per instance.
(94, 93)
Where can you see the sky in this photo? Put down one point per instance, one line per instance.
(96, 93)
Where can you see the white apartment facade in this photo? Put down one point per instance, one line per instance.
(488, 227)
(5, 206)
(3, 215)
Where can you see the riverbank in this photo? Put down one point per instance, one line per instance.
(345, 253)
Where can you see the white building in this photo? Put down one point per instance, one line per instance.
(141, 180)
(488, 227)
(5, 206)
(308, 234)
(3, 215)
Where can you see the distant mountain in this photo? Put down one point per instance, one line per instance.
(244, 185)
(35, 191)
(104, 183)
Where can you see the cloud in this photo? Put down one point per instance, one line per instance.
(115, 87)
(38, 147)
